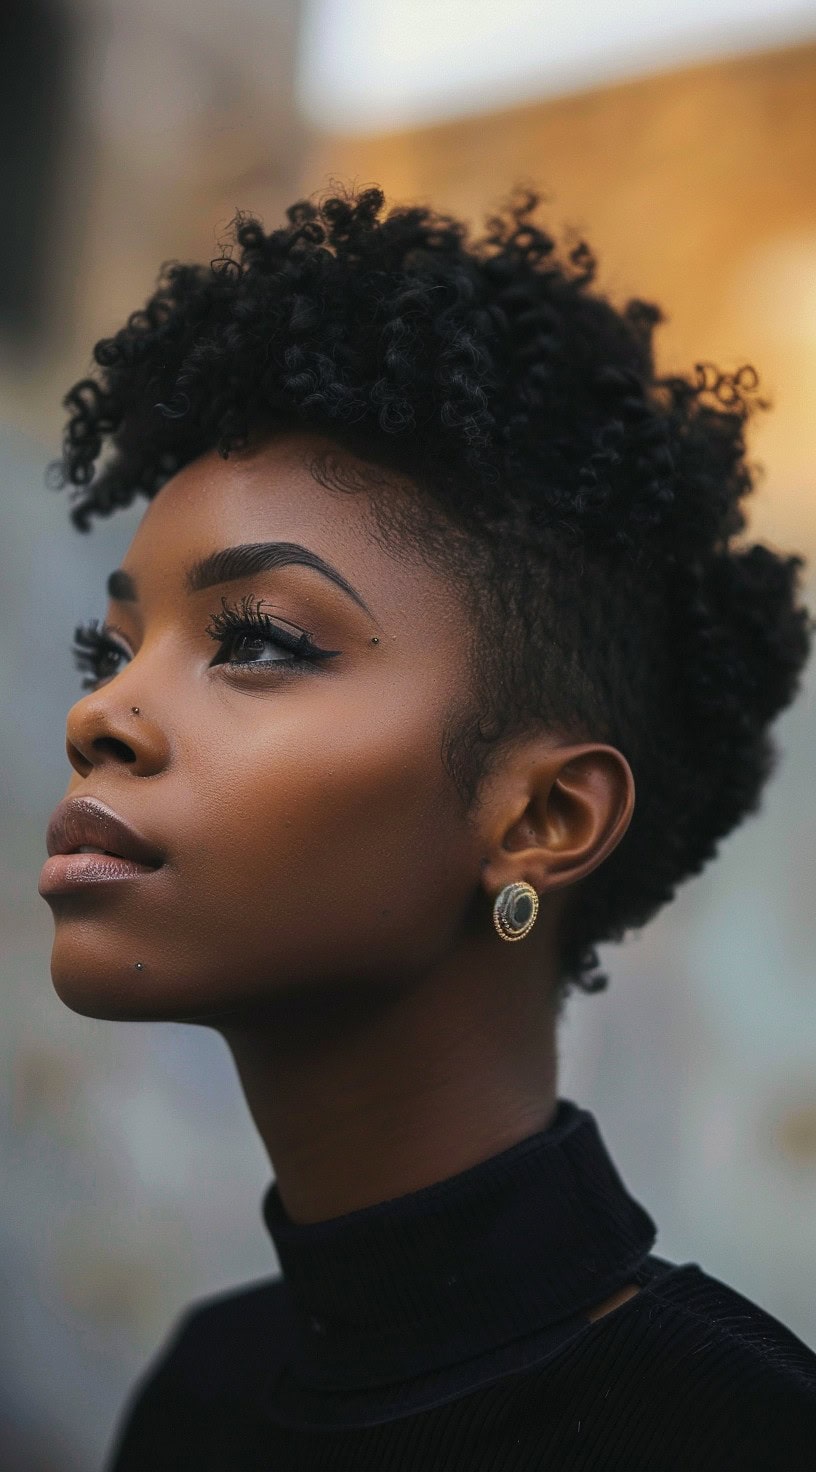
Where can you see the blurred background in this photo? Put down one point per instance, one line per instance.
(680, 141)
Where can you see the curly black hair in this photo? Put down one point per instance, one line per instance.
(589, 506)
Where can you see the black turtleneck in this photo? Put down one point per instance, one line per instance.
(450, 1329)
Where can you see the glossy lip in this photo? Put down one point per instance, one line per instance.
(78, 821)
(65, 872)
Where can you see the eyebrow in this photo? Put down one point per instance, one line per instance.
(231, 563)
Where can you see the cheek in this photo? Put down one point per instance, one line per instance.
(330, 838)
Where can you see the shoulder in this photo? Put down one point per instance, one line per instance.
(225, 1338)
(199, 1389)
(720, 1373)
(714, 1315)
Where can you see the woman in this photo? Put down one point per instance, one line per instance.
(433, 663)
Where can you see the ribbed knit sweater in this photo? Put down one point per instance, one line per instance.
(448, 1330)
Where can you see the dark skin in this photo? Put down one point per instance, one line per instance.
(326, 900)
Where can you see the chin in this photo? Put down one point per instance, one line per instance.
(94, 985)
(89, 1000)
(91, 978)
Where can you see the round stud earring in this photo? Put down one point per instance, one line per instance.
(515, 909)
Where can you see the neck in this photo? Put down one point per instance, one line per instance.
(367, 1097)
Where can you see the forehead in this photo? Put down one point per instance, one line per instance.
(271, 493)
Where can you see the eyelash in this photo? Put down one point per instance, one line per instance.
(93, 645)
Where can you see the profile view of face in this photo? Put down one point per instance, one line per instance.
(313, 841)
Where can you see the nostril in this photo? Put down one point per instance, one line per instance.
(118, 748)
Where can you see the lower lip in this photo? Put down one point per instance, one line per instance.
(65, 872)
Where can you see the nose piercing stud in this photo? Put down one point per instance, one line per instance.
(135, 709)
(138, 966)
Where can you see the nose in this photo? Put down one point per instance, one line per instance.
(102, 730)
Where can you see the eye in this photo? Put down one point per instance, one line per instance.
(245, 645)
(95, 651)
(246, 630)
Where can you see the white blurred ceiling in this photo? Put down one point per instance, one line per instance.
(374, 64)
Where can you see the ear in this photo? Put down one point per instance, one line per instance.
(552, 815)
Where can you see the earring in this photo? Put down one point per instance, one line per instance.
(515, 909)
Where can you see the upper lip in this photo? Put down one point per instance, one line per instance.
(78, 821)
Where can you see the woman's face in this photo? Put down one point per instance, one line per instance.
(312, 836)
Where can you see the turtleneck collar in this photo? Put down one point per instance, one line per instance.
(520, 1243)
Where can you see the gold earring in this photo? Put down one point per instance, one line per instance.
(514, 910)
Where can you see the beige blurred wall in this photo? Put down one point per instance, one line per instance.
(177, 117)
(697, 189)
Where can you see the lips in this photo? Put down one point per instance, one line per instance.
(84, 822)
